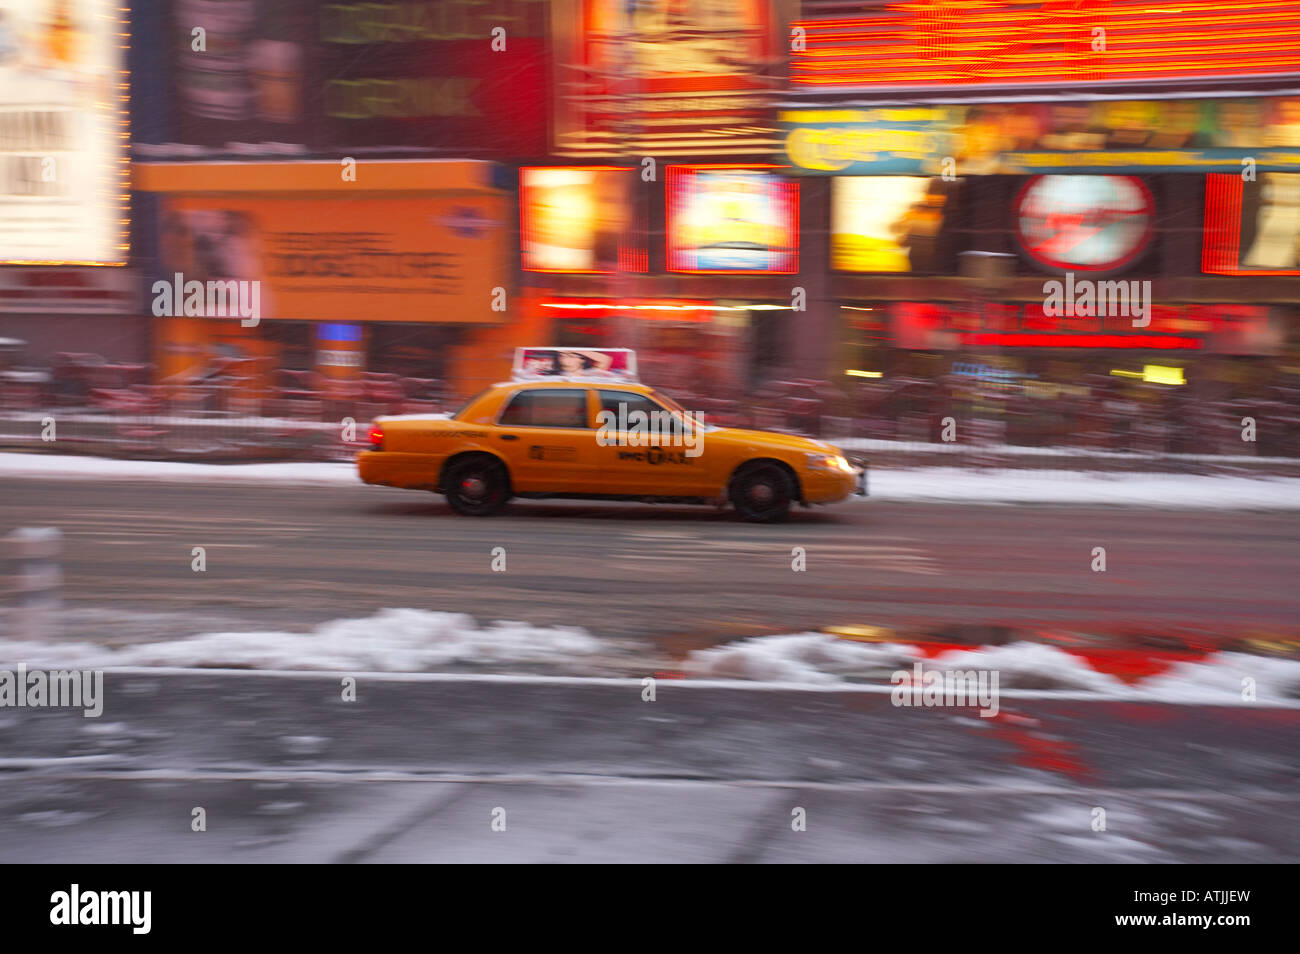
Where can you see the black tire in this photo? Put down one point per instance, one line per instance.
(762, 493)
(476, 486)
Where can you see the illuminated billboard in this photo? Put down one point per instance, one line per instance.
(663, 77)
(577, 219)
(295, 76)
(886, 223)
(1092, 223)
(1019, 43)
(64, 175)
(737, 219)
(1098, 137)
(1252, 228)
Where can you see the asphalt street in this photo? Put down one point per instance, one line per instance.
(681, 577)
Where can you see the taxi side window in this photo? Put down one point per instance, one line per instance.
(622, 403)
(547, 407)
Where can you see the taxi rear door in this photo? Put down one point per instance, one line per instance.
(546, 437)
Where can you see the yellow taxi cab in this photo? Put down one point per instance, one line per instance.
(578, 424)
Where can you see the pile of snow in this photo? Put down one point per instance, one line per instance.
(812, 658)
(930, 484)
(393, 640)
(67, 467)
(818, 659)
(1274, 680)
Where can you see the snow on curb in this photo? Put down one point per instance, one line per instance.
(950, 485)
(925, 484)
(64, 467)
(393, 640)
(421, 641)
(817, 659)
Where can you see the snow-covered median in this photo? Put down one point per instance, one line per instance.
(421, 641)
(821, 660)
(393, 640)
(929, 484)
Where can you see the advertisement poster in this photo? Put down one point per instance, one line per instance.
(380, 259)
(293, 76)
(538, 364)
(1252, 228)
(427, 74)
(64, 176)
(887, 223)
(246, 78)
(1130, 136)
(731, 220)
(575, 219)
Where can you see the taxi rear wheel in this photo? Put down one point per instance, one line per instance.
(477, 485)
(762, 493)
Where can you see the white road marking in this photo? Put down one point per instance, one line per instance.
(686, 547)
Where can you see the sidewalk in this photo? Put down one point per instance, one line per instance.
(890, 479)
(228, 439)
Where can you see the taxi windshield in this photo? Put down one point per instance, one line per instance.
(696, 419)
(668, 402)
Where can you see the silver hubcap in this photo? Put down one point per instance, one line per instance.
(761, 493)
(473, 486)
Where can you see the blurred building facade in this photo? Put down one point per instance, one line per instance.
(848, 210)
(969, 153)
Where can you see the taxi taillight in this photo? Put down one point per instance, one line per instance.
(376, 437)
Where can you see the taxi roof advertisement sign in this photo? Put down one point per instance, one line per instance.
(602, 364)
(1133, 136)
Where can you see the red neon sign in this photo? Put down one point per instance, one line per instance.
(1143, 342)
(938, 326)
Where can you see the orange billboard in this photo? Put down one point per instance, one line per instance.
(420, 259)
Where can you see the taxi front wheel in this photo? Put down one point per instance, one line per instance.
(762, 493)
(476, 485)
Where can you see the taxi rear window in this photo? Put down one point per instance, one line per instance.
(547, 407)
(466, 406)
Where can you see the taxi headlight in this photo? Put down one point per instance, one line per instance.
(829, 462)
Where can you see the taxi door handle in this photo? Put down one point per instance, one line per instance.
(510, 437)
